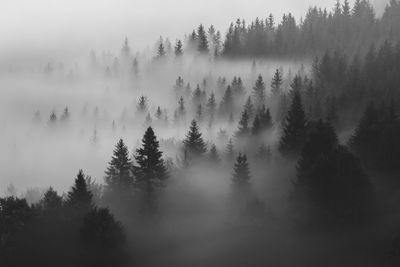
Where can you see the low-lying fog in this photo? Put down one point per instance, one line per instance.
(37, 154)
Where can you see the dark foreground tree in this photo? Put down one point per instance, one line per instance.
(79, 198)
(294, 128)
(150, 171)
(331, 176)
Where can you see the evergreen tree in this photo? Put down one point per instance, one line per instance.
(160, 49)
(243, 128)
(249, 107)
(181, 107)
(213, 155)
(241, 176)
(294, 128)
(178, 49)
(194, 143)
(158, 113)
(199, 113)
(276, 83)
(142, 105)
(202, 39)
(259, 91)
(118, 175)
(53, 118)
(150, 170)
(51, 201)
(227, 103)
(265, 118)
(264, 154)
(79, 197)
(211, 106)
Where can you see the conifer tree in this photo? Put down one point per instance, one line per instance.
(294, 128)
(199, 113)
(118, 174)
(241, 176)
(178, 49)
(181, 107)
(65, 116)
(53, 118)
(213, 154)
(259, 91)
(265, 118)
(202, 39)
(226, 105)
(243, 128)
(51, 201)
(211, 105)
(158, 113)
(79, 197)
(149, 170)
(194, 143)
(161, 50)
(276, 83)
(142, 105)
(249, 108)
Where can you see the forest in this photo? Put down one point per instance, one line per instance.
(273, 142)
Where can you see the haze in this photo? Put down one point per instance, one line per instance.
(32, 29)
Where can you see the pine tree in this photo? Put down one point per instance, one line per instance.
(197, 95)
(158, 113)
(226, 105)
(194, 143)
(294, 128)
(161, 50)
(150, 170)
(118, 174)
(79, 197)
(243, 128)
(265, 118)
(202, 38)
(264, 154)
(51, 201)
(249, 107)
(276, 83)
(259, 91)
(142, 105)
(178, 49)
(241, 176)
(213, 155)
(211, 105)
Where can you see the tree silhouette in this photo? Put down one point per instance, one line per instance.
(294, 128)
(118, 174)
(259, 91)
(79, 198)
(194, 143)
(149, 170)
(241, 176)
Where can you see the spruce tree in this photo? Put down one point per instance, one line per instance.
(243, 128)
(79, 197)
(265, 118)
(276, 83)
(227, 103)
(194, 143)
(294, 127)
(161, 50)
(142, 105)
(149, 170)
(249, 107)
(118, 174)
(213, 155)
(259, 91)
(202, 39)
(241, 176)
(178, 49)
(51, 201)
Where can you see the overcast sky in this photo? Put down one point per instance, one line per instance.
(52, 26)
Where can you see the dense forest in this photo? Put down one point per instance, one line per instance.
(276, 144)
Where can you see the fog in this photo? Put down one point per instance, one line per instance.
(34, 30)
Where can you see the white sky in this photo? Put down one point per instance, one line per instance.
(65, 26)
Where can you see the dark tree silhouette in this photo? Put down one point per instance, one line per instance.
(294, 128)
(118, 177)
(194, 143)
(259, 92)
